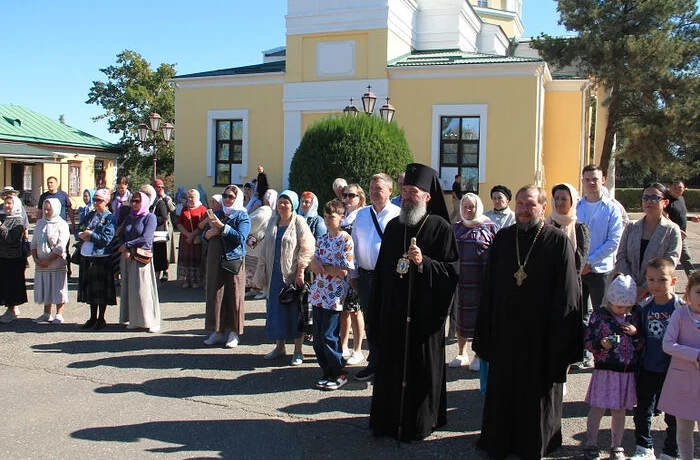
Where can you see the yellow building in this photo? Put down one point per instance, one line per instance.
(471, 95)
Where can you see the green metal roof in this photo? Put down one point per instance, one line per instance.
(267, 67)
(24, 150)
(20, 124)
(455, 57)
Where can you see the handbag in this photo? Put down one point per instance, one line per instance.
(232, 266)
(75, 257)
(141, 255)
(161, 236)
(26, 248)
(197, 238)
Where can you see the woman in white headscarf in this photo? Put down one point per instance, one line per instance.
(474, 234)
(189, 260)
(51, 236)
(226, 233)
(563, 216)
(13, 288)
(258, 224)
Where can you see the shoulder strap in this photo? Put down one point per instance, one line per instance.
(376, 223)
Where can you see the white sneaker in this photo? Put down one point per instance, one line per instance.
(232, 341)
(9, 316)
(58, 319)
(475, 365)
(459, 361)
(643, 453)
(215, 338)
(355, 358)
(43, 319)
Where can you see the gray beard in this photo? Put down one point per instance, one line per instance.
(525, 226)
(412, 215)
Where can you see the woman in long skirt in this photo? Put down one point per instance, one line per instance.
(96, 281)
(226, 234)
(51, 236)
(139, 292)
(189, 260)
(13, 289)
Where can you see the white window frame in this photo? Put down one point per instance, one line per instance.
(238, 171)
(459, 110)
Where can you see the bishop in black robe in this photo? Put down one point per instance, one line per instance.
(529, 334)
(415, 349)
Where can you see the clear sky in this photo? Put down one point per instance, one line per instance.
(52, 51)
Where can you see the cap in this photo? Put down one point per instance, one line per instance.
(158, 183)
(9, 190)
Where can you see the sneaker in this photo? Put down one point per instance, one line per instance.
(58, 319)
(9, 316)
(365, 374)
(666, 457)
(591, 453)
(259, 296)
(232, 340)
(475, 365)
(336, 383)
(215, 338)
(43, 319)
(643, 453)
(297, 359)
(617, 453)
(459, 361)
(585, 364)
(321, 383)
(355, 358)
(276, 353)
(347, 354)
(164, 278)
(563, 389)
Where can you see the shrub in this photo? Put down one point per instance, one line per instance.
(347, 147)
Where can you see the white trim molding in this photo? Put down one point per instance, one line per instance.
(433, 72)
(227, 81)
(238, 172)
(459, 110)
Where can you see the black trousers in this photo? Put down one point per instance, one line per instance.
(649, 385)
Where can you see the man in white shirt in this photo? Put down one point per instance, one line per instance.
(367, 235)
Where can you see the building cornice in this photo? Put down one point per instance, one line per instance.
(517, 69)
(227, 81)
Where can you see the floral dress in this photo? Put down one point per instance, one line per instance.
(329, 291)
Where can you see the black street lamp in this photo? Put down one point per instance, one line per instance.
(369, 100)
(154, 123)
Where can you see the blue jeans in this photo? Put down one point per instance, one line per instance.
(327, 341)
(649, 386)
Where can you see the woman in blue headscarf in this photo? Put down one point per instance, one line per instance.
(285, 253)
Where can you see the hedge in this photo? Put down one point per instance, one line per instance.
(631, 199)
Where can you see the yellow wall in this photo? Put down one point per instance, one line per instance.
(265, 135)
(511, 124)
(508, 26)
(370, 61)
(562, 137)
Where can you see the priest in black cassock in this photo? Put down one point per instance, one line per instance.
(420, 277)
(529, 330)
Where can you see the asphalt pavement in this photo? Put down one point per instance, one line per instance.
(115, 394)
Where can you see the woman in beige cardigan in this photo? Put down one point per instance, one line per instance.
(286, 251)
(651, 236)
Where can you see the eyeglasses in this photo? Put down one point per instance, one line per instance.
(654, 198)
(229, 196)
(350, 195)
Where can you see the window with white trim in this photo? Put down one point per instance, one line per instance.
(228, 149)
(74, 179)
(460, 149)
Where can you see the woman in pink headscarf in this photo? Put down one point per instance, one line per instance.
(139, 292)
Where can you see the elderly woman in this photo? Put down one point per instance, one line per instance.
(159, 207)
(308, 209)
(139, 293)
(354, 199)
(474, 234)
(651, 236)
(251, 202)
(96, 281)
(51, 235)
(284, 255)
(226, 233)
(258, 225)
(189, 261)
(501, 214)
(13, 289)
(563, 216)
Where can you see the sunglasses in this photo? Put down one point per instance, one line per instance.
(229, 196)
(654, 198)
(135, 201)
(350, 195)
(97, 200)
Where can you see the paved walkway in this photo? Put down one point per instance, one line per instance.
(119, 394)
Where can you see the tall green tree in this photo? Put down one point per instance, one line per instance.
(645, 53)
(131, 92)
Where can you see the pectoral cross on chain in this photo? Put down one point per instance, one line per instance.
(520, 276)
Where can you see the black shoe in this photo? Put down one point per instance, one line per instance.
(164, 279)
(89, 323)
(99, 325)
(365, 374)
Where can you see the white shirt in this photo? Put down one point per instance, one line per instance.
(365, 237)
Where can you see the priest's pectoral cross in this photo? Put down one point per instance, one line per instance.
(520, 276)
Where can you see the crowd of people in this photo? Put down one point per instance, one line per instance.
(582, 287)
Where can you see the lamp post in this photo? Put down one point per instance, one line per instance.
(154, 123)
(369, 100)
